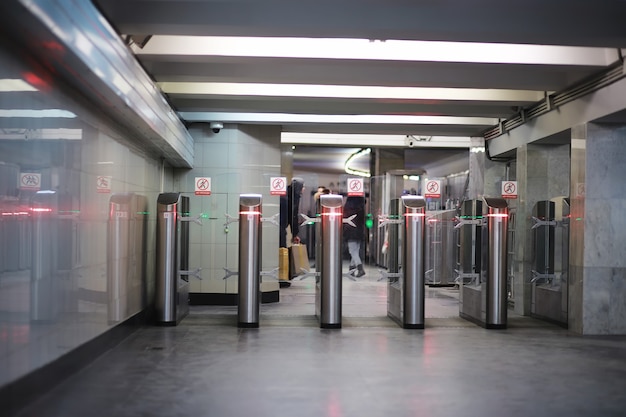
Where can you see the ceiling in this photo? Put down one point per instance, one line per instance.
(429, 69)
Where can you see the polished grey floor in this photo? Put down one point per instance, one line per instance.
(206, 366)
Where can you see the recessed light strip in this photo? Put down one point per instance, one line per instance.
(389, 50)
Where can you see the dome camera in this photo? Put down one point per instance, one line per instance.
(216, 126)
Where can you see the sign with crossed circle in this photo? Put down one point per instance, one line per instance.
(103, 184)
(355, 187)
(203, 186)
(509, 189)
(278, 185)
(30, 181)
(432, 189)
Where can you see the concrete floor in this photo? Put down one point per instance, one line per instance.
(206, 366)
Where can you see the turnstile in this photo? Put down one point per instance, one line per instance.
(249, 294)
(172, 257)
(550, 260)
(483, 262)
(405, 289)
(328, 286)
(126, 255)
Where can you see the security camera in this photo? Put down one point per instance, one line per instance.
(216, 126)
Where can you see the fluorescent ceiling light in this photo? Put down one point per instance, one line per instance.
(51, 113)
(278, 118)
(9, 85)
(389, 50)
(349, 91)
(371, 140)
(41, 134)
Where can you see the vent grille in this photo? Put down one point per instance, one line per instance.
(553, 101)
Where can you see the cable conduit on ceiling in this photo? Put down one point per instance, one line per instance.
(614, 73)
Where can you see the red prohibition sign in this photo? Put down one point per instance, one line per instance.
(202, 184)
(509, 188)
(355, 185)
(278, 184)
(432, 187)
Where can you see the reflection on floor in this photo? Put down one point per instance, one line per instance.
(206, 366)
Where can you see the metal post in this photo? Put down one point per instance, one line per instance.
(118, 256)
(414, 213)
(393, 238)
(249, 260)
(172, 289)
(394, 284)
(497, 213)
(328, 290)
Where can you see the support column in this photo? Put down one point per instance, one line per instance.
(542, 173)
(485, 175)
(597, 240)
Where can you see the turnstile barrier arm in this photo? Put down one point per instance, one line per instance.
(384, 220)
(308, 220)
(193, 219)
(195, 273)
(540, 222)
(273, 219)
(482, 221)
(348, 220)
(229, 273)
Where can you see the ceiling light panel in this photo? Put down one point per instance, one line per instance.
(390, 50)
(349, 91)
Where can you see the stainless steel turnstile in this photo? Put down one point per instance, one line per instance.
(550, 260)
(126, 254)
(172, 257)
(328, 287)
(249, 297)
(483, 277)
(405, 290)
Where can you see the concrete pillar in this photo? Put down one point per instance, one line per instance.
(485, 175)
(597, 284)
(385, 160)
(542, 173)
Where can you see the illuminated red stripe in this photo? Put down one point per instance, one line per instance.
(498, 215)
(41, 209)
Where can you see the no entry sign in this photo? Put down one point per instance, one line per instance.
(432, 189)
(278, 185)
(203, 186)
(355, 187)
(509, 189)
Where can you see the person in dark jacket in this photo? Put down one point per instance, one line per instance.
(289, 212)
(355, 235)
(290, 218)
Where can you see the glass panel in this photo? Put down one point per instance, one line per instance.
(77, 201)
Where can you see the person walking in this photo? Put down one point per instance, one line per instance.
(355, 235)
(290, 223)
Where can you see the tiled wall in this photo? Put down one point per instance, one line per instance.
(238, 160)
